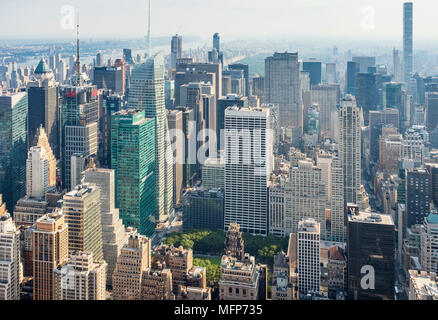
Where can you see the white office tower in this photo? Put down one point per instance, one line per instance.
(37, 173)
(308, 238)
(80, 279)
(332, 175)
(9, 258)
(350, 148)
(248, 161)
(429, 243)
(306, 197)
(283, 87)
(146, 92)
(113, 230)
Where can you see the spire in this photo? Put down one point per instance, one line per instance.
(149, 47)
(78, 61)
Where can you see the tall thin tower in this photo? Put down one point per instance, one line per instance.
(408, 40)
(78, 61)
(149, 47)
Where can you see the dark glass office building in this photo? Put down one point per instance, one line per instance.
(13, 147)
(370, 256)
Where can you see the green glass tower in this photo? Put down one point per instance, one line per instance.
(133, 159)
(13, 147)
(146, 92)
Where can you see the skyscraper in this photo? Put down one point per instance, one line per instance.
(50, 250)
(147, 93)
(350, 77)
(43, 105)
(408, 40)
(133, 157)
(80, 109)
(175, 50)
(37, 173)
(114, 235)
(305, 197)
(418, 186)
(350, 148)
(248, 151)
(370, 252)
(245, 68)
(429, 243)
(9, 257)
(282, 86)
(431, 110)
(13, 147)
(308, 238)
(81, 208)
(314, 68)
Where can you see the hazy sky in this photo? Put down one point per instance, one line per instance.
(231, 18)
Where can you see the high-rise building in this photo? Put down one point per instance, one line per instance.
(408, 37)
(13, 147)
(50, 250)
(418, 185)
(134, 257)
(222, 104)
(258, 88)
(37, 173)
(133, 157)
(9, 257)
(110, 104)
(213, 174)
(308, 238)
(113, 230)
(147, 93)
(41, 140)
(350, 148)
(190, 67)
(175, 123)
(431, 110)
(43, 105)
(110, 77)
(245, 68)
(282, 86)
(82, 278)
(429, 243)
(370, 255)
(366, 93)
(248, 151)
(397, 66)
(365, 63)
(81, 208)
(175, 50)
(305, 197)
(314, 68)
(80, 116)
(350, 77)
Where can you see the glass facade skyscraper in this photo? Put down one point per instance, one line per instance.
(133, 159)
(147, 93)
(13, 147)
